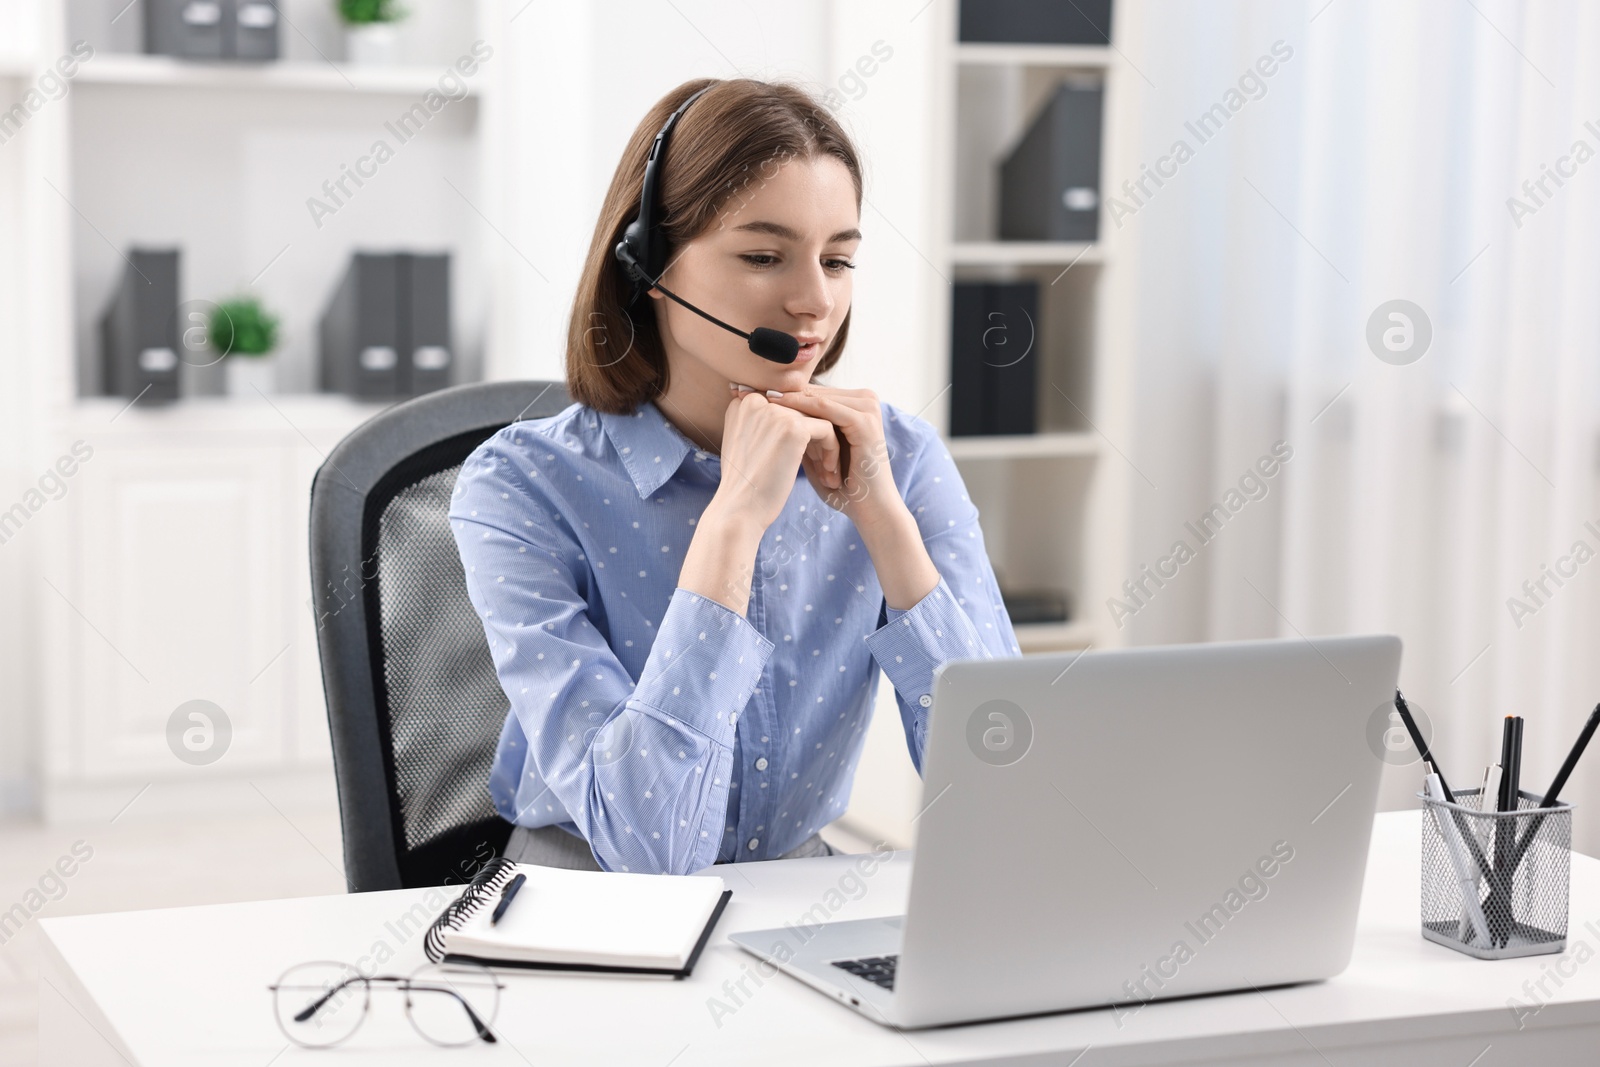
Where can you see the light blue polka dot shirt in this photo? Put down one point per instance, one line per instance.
(661, 727)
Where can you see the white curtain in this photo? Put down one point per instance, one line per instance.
(1384, 159)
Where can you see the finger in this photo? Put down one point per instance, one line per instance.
(827, 464)
(821, 457)
(739, 413)
(849, 426)
(838, 458)
(739, 405)
(816, 432)
(830, 400)
(824, 443)
(854, 421)
(826, 485)
(859, 397)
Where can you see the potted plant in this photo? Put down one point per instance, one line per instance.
(244, 334)
(370, 38)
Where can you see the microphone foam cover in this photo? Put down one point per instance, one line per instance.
(775, 345)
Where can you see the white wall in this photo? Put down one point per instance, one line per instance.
(1380, 164)
(29, 260)
(17, 556)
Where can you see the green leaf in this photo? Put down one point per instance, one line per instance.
(362, 12)
(242, 327)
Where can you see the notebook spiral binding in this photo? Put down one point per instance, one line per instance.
(485, 885)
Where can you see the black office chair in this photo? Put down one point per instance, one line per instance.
(414, 705)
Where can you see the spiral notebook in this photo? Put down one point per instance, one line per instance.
(566, 920)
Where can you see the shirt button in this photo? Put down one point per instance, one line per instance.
(925, 700)
(761, 764)
(754, 841)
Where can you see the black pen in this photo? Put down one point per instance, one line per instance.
(1508, 773)
(1514, 792)
(1550, 795)
(1560, 780)
(1506, 857)
(1421, 745)
(506, 895)
(1428, 758)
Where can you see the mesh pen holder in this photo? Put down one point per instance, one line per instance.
(1495, 883)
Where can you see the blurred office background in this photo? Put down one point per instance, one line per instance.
(1350, 243)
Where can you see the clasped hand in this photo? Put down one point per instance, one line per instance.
(835, 435)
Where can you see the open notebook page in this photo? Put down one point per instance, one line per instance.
(599, 917)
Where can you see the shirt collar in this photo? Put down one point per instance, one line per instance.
(651, 448)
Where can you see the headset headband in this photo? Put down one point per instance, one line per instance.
(642, 248)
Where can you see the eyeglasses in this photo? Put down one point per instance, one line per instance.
(322, 1003)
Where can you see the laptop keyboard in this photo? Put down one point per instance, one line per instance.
(879, 970)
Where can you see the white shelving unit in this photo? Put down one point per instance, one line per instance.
(1053, 503)
(1064, 254)
(252, 171)
(1024, 446)
(1070, 56)
(178, 560)
(1049, 499)
(165, 72)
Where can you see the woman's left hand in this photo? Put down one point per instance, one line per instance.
(864, 489)
(863, 486)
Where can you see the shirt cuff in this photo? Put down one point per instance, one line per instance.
(703, 666)
(917, 640)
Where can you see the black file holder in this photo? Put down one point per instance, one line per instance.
(994, 358)
(139, 329)
(386, 331)
(1050, 183)
(212, 29)
(1036, 22)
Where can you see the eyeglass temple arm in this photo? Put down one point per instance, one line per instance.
(316, 1005)
(477, 1023)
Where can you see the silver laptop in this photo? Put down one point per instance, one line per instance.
(1103, 829)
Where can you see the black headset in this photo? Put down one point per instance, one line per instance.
(642, 251)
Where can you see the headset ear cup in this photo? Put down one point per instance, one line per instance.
(632, 251)
(628, 252)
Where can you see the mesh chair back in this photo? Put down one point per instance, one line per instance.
(414, 705)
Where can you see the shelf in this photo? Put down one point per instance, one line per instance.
(1023, 446)
(167, 72)
(1071, 56)
(1009, 253)
(1053, 636)
(296, 413)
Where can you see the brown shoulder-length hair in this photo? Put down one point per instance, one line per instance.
(730, 141)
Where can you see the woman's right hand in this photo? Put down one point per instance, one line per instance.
(762, 445)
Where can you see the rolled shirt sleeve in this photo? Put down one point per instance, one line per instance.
(963, 616)
(641, 765)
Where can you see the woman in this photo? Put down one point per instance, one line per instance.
(691, 576)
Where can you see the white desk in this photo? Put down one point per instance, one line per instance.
(187, 986)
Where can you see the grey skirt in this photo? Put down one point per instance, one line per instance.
(551, 846)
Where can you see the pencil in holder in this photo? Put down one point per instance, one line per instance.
(1495, 883)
